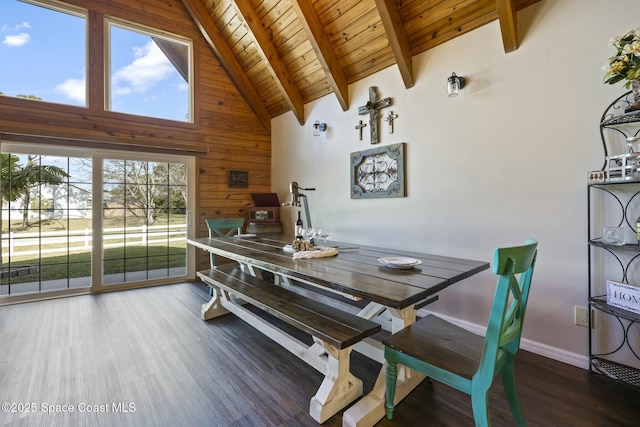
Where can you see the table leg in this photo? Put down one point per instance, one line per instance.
(213, 308)
(339, 387)
(370, 409)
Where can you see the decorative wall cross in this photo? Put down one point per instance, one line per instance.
(372, 107)
(390, 118)
(359, 126)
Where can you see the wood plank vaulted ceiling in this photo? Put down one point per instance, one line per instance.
(282, 54)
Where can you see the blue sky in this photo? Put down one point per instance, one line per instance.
(46, 51)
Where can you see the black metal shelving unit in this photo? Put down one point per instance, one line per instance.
(625, 199)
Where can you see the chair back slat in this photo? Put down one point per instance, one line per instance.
(514, 267)
(522, 256)
(224, 227)
(512, 322)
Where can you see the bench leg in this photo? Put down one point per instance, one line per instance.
(339, 387)
(371, 408)
(213, 308)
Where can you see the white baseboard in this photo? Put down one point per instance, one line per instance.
(564, 356)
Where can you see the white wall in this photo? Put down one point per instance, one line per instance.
(505, 160)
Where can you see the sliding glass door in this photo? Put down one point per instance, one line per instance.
(90, 219)
(144, 220)
(46, 222)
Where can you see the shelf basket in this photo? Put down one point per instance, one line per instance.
(622, 167)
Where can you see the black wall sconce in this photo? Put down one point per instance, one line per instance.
(319, 127)
(454, 84)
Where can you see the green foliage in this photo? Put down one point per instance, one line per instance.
(38, 202)
(20, 95)
(18, 180)
(625, 64)
(25, 96)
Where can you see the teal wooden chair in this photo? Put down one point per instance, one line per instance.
(223, 227)
(461, 359)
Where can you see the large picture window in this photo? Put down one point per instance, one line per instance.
(43, 51)
(149, 73)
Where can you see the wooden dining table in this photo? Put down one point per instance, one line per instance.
(357, 281)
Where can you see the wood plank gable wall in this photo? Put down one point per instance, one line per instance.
(225, 126)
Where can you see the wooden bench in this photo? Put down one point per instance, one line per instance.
(334, 331)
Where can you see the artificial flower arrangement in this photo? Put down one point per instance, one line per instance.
(625, 65)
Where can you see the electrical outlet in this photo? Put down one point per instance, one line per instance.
(581, 316)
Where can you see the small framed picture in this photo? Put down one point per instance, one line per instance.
(238, 179)
(378, 172)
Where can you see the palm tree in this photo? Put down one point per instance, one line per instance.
(18, 181)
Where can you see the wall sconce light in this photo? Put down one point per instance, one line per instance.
(319, 127)
(454, 84)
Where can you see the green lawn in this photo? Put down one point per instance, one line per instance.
(138, 258)
(78, 264)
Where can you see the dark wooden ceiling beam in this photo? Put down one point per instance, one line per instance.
(398, 39)
(210, 32)
(507, 17)
(322, 47)
(267, 50)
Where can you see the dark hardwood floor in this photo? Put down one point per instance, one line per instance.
(148, 352)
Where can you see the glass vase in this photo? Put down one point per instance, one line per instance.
(634, 104)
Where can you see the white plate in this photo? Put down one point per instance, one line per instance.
(399, 262)
(245, 236)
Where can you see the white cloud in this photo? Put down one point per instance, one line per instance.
(6, 28)
(149, 67)
(122, 91)
(73, 89)
(16, 40)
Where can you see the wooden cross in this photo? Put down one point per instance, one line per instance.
(390, 118)
(372, 107)
(359, 126)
